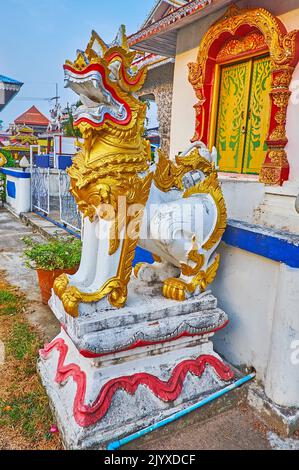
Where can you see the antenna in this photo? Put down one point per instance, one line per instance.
(37, 98)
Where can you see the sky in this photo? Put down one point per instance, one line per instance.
(37, 36)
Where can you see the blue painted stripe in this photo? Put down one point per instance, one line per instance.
(16, 174)
(275, 245)
(11, 189)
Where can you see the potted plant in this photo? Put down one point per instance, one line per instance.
(52, 259)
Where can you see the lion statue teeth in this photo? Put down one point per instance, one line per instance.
(174, 209)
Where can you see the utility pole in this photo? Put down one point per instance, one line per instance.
(56, 96)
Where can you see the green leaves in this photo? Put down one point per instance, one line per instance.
(63, 253)
(2, 187)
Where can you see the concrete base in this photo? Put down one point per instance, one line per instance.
(111, 373)
(278, 208)
(148, 318)
(283, 420)
(96, 403)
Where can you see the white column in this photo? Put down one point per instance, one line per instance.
(282, 378)
(86, 272)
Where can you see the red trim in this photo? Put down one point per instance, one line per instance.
(88, 415)
(99, 68)
(279, 172)
(140, 343)
(173, 17)
(135, 80)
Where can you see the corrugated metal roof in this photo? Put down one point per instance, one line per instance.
(12, 81)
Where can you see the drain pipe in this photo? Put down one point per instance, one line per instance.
(59, 225)
(132, 437)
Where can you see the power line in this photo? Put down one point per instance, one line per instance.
(37, 98)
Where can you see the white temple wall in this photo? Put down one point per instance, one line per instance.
(261, 298)
(240, 286)
(183, 121)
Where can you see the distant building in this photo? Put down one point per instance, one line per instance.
(19, 142)
(34, 119)
(8, 90)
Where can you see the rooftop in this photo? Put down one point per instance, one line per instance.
(33, 117)
(160, 37)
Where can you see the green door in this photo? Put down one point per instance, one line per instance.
(243, 115)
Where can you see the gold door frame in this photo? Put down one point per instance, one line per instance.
(284, 52)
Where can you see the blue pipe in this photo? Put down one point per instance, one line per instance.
(58, 224)
(117, 444)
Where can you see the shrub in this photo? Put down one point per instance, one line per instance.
(63, 253)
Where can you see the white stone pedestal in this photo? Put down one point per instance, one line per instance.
(112, 372)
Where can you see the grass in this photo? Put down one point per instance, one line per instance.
(25, 416)
(8, 303)
(22, 342)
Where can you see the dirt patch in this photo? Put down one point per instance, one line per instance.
(25, 416)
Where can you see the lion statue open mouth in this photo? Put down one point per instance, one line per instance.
(176, 208)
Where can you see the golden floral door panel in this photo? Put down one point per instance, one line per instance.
(232, 115)
(258, 116)
(243, 115)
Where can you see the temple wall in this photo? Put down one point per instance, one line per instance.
(258, 294)
(159, 82)
(261, 298)
(183, 114)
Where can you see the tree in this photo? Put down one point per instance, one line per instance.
(68, 124)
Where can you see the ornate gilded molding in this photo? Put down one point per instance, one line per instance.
(116, 287)
(170, 174)
(195, 257)
(283, 48)
(253, 41)
(113, 163)
(177, 288)
(211, 186)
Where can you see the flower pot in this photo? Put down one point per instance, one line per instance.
(46, 281)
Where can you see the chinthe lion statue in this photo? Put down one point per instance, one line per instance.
(173, 209)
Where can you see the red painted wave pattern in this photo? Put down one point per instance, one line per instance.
(88, 415)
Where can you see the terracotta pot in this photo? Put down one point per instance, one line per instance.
(46, 281)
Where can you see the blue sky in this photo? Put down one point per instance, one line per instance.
(37, 36)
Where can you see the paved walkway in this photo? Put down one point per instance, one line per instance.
(11, 249)
(233, 429)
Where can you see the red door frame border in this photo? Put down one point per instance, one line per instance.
(284, 52)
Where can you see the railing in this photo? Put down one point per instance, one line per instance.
(50, 193)
(69, 214)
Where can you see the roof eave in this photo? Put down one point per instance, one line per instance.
(161, 37)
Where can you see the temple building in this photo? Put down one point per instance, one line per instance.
(226, 73)
(34, 119)
(9, 88)
(19, 142)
